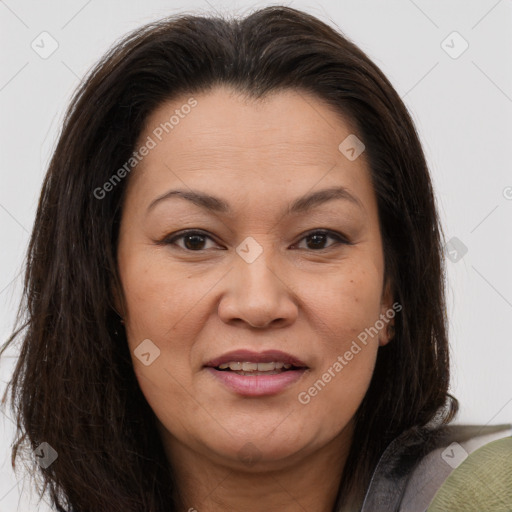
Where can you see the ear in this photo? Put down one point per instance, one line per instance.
(387, 314)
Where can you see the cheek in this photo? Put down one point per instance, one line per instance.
(335, 395)
(159, 297)
(345, 301)
(346, 307)
(336, 388)
(157, 302)
(148, 290)
(165, 393)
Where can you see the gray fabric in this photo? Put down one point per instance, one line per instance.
(415, 465)
(436, 467)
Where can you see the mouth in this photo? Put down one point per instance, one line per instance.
(256, 374)
(253, 363)
(252, 369)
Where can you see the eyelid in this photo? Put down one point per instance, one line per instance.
(339, 237)
(170, 239)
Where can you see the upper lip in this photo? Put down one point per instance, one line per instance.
(267, 356)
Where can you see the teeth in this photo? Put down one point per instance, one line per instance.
(253, 367)
(266, 367)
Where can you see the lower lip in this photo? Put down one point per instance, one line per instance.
(257, 385)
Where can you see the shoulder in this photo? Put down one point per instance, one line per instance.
(414, 469)
(483, 481)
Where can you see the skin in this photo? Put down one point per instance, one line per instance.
(308, 300)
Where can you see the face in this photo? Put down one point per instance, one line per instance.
(260, 268)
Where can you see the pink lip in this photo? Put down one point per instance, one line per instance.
(257, 385)
(249, 356)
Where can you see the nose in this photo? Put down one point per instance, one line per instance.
(257, 295)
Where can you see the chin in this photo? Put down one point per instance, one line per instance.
(261, 452)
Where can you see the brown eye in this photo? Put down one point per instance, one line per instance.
(316, 240)
(193, 241)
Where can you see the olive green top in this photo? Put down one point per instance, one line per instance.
(482, 482)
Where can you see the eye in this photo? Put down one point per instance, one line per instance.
(195, 241)
(316, 239)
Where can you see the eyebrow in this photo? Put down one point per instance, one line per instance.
(300, 205)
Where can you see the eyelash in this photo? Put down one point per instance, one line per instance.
(331, 234)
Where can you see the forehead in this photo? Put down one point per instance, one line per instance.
(278, 118)
(286, 139)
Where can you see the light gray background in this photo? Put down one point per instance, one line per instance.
(462, 108)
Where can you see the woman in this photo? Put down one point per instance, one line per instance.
(234, 288)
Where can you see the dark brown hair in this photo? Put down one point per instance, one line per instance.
(74, 385)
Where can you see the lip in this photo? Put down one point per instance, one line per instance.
(257, 385)
(250, 356)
